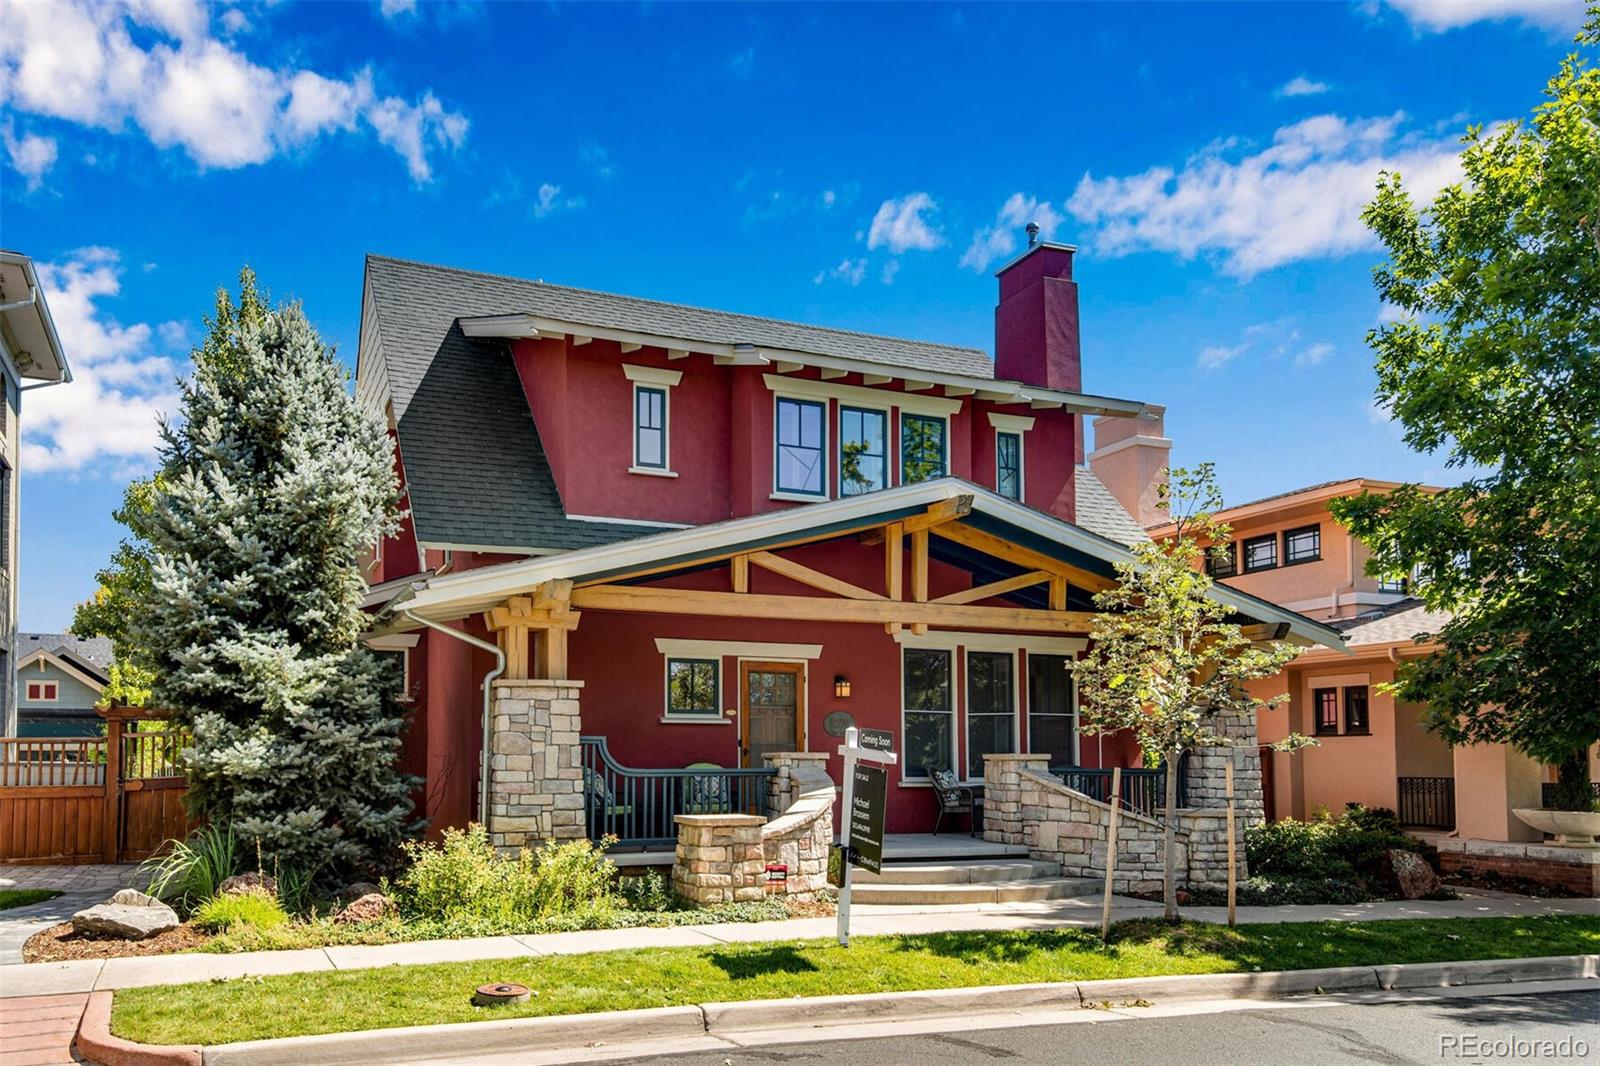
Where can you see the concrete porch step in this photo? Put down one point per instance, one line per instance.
(1026, 890)
(958, 873)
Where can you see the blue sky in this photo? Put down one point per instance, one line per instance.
(858, 166)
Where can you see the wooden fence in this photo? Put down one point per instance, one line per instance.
(116, 798)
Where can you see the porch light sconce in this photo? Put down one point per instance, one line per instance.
(841, 687)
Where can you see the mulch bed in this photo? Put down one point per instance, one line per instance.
(59, 943)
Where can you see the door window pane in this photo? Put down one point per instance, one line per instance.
(929, 713)
(799, 445)
(650, 427)
(922, 448)
(990, 707)
(863, 460)
(1052, 713)
(692, 687)
(1008, 465)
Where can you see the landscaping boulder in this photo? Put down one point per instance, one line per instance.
(1411, 874)
(128, 915)
(356, 889)
(372, 907)
(244, 884)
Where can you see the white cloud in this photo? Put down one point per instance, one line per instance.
(235, 21)
(395, 8)
(829, 197)
(1389, 314)
(1002, 238)
(890, 270)
(899, 225)
(850, 271)
(549, 200)
(743, 63)
(1218, 355)
(32, 156)
(1303, 86)
(104, 420)
(1439, 16)
(77, 61)
(1299, 198)
(1317, 353)
(1274, 341)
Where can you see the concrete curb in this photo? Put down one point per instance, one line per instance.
(95, 1044)
(714, 1019)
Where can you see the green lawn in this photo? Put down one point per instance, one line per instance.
(298, 1004)
(21, 897)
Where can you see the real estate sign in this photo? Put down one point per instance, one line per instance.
(868, 799)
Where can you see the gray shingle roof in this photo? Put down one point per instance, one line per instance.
(1099, 512)
(1400, 621)
(96, 651)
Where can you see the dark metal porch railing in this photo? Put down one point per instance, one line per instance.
(1547, 793)
(638, 806)
(1427, 802)
(1144, 791)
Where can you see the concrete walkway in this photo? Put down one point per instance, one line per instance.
(83, 886)
(97, 975)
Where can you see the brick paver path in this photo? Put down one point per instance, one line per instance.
(38, 1030)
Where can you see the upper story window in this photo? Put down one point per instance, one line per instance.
(863, 450)
(652, 440)
(1261, 553)
(1222, 560)
(1325, 703)
(1008, 465)
(1303, 545)
(802, 447)
(923, 447)
(1355, 710)
(43, 691)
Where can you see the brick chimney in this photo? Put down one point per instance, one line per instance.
(1130, 458)
(1036, 321)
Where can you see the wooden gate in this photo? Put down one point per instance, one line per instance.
(116, 798)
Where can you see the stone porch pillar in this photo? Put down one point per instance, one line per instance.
(535, 768)
(794, 767)
(1208, 770)
(1002, 795)
(720, 858)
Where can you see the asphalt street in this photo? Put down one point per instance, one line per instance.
(1554, 1027)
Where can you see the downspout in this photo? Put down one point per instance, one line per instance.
(488, 686)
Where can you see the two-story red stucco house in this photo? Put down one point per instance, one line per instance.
(703, 538)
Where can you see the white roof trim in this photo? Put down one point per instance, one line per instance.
(649, 375)
(1011, 423)
(937, 406)
(46, 655)
(465, 592)
(745, 649)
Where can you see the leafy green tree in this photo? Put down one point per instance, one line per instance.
(270, 484)
(1164, 661)
(1496, 364)
(124, 585)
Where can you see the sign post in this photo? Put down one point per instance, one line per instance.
(866, 794)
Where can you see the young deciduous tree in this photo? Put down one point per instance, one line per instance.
(1497, 364)
(270, 484)
(1164, 661)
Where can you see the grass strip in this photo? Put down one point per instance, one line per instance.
(339, 1001)
(22, 897)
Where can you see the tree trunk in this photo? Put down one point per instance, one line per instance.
(1169, 841)
(1573, 791)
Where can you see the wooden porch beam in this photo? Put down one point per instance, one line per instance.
(806, 576)
(548, 612)
(1001, 548)
(919, 575)
(1058, 593)
(824, 609)
(995, 588)
(739, 573)
(951, 510)
(893, 563)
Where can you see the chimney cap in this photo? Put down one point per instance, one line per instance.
(1032, 248)
(1032, 229)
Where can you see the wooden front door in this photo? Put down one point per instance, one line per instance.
(772, 706)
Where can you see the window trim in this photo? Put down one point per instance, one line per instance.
(778, 491)
(887, 412)
(1022, 487)
(53, 687)
(954, 712)
(668, 714)
(639, 466)
(944, 446)
(1315, 527)
(1366, 710)
(1244, 553)
(1014, 713)
(1316, 711)
(1233, 560)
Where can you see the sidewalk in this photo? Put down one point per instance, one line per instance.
(83, 886)
(99, 975)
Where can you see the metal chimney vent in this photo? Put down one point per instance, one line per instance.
(1032, 229)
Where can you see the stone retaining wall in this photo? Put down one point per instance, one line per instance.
(535, 768)
(793, 767)
(801, 838)
(720, 858)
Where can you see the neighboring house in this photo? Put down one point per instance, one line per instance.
(30, 352)
(702, 536)
(59, 681)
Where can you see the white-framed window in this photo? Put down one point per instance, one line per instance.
(694, 689)
(863, 450)
(928, 712)
(1008, 465)
(800, 447)
(924, 447)
(43, 691)
(401, 657)
(991, 707)
(652, 419)
(1052, 709)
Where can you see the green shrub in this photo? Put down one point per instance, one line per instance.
(192, 870)
(650, 893)
(462, 881)
(1348, 847)
(253, 910)
(1269, 892)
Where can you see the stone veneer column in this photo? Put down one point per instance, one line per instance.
(1207, 782)
(1003, 821)
(535, 768)
(784, 788)
(720, 858)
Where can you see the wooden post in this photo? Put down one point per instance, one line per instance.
(1111, 851)
(1233, 880)
(112, 817)
(919, 574)
(893, 563)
